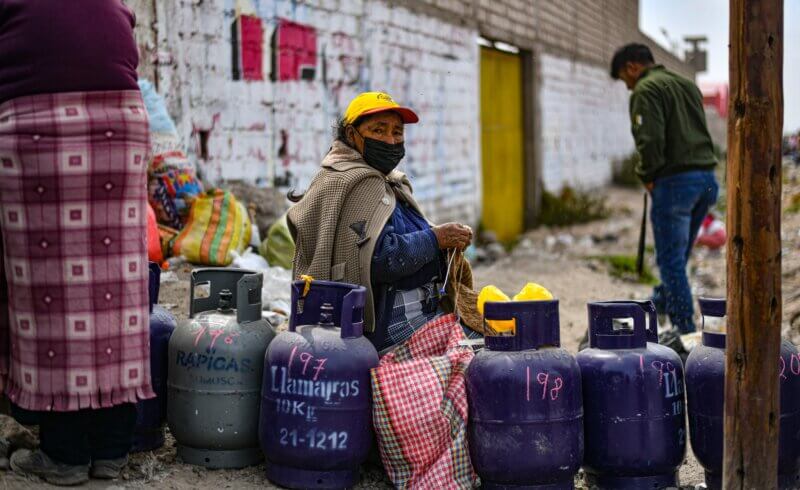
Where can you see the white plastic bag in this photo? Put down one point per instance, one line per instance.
(276, 288)
(249, 260)
(276, 293)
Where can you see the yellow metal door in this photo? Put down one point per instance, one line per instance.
(502, 143)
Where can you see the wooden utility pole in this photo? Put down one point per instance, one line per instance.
(755, 126)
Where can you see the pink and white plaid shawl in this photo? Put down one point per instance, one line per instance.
(75, 330)
(420, 409)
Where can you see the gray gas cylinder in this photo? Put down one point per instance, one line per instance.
(215, 370)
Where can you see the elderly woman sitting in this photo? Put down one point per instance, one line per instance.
(358, 223)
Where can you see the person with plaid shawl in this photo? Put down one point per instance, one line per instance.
(74, 336)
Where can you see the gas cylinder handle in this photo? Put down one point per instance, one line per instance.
(347, 299)
(298, 303)
(652, 325)
(536, 324)
(714, 307)
(352, 316)
(154, 283)
(652, 315)
(248, 301)
(217, 280)
(601, 326)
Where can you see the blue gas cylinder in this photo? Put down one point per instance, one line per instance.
(152, 414)
(316, 409)
(705, 394)
(525, 410)
(633, 400)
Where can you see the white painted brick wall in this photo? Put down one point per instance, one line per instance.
(423, 62)
(585, 124)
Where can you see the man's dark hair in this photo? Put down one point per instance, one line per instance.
(633, 53)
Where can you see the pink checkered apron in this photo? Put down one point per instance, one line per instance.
(74, 333)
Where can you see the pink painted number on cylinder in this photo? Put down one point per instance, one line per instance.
(543, 381)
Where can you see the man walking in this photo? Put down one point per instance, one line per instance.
(677, 163)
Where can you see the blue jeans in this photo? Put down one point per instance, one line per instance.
(680, 203)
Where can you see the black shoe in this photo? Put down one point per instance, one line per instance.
(108, 469)
(37, 463)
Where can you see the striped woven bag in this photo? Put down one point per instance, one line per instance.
(218, 224)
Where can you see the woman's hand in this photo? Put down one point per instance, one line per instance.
(453, 235)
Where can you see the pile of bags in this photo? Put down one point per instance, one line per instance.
(206, 227)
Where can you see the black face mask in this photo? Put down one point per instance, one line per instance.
(382, 156)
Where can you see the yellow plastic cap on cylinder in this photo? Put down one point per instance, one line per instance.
(533, 292)
(493, 293)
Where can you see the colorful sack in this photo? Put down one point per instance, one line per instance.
(218, 224)
(171, 192)
(172, 181)
(278, 247)
(170, 160)
(420, 409)
(167, 236)
(154, 252)
(163, 205)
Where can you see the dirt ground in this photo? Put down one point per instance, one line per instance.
(560, 259)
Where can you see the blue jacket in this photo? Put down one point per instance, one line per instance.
(406, 257)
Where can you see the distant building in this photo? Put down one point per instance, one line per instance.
(514, 95)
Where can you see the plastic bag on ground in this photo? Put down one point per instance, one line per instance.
(276, 293)
(278, 247)
(276, 289)
(249, 260)
(712, 233)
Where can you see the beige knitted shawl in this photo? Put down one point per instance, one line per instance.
(337, 223)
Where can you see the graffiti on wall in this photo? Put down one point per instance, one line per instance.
(262, 82)
(302, 124)
(247, 36)
(294, 51)
(342, 67)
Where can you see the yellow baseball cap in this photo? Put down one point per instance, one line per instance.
(374, 102)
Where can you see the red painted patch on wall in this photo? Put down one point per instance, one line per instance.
(294, 51)
(248, 48)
